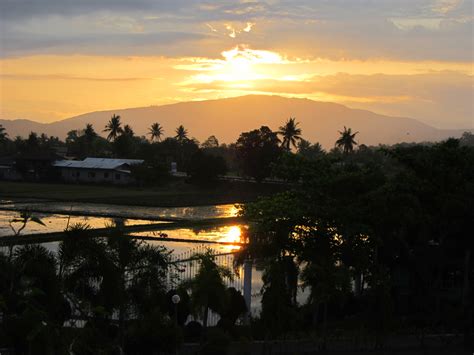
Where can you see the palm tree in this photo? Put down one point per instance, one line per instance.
(346, 141)
(3, 133)
(208, 290)
(113, 127)
(155, 131)
(89, 132)
(291, 133)
(181, 134)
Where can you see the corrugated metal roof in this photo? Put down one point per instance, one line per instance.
(96, 163)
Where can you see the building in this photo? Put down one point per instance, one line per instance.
(97, 170)
(29, 166)
(8, 170)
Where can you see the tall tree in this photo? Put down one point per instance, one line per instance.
(346, 141)
(181, 134)
(155, 131)
(291, 133)
(113, 127)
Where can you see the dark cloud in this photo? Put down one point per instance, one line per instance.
(110, 44)
(395, 29)
(26, 9)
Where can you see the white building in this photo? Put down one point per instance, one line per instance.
(97, 170)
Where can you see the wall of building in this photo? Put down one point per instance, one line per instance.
(95, 176)
(9, 173)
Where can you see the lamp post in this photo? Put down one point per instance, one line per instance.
(175, 299)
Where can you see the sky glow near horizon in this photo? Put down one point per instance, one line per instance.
(60, 58)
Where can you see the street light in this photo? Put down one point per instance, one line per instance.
(175, 299)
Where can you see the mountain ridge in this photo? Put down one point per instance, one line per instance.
(227, 118)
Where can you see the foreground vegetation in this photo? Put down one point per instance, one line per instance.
(381, 237)
(106, 296)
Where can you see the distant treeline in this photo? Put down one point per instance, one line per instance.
(259, 154)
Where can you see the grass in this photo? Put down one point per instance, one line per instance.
(174, 193)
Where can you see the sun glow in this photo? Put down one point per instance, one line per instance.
(241, 65)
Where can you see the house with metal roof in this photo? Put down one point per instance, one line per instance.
(97, 170)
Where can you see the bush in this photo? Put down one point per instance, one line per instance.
(217, 342)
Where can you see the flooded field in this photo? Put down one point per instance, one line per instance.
(55, 216)
(59, 222)
(135, 212)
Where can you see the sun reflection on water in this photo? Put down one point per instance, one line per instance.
(233, 236)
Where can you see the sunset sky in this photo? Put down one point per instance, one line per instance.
(61, 58)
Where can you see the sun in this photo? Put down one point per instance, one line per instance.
(239, 67)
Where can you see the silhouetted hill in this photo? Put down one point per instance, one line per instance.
(227, 118)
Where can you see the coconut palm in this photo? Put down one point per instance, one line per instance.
(156, 131)
(181, 134)
(113, 127)
(89, 132)
(346, 140)
(291, 133)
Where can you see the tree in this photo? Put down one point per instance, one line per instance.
(113, 127)
(308, 150)
(32, 142)
(90, 133)
(155, 131)
(205, 168)
(34, 309)
(211, 142)
(131, 286)
(346, 140)
(208, 290)
(291, 134)
(467, 138)
(3, 133)
(128, 131)
(257, 150)
(181, 134)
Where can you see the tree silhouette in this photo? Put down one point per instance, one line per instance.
(256, 151)
(346, 140)
(89, 132)
(208, 290)
(155, 131)
(3, 133)
(128, 131)
(211, 142)
(290, 133)
(181, 134)
(113, 127)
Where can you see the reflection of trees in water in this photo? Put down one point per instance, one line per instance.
(198, 230)
(119, 222)
(116, 222)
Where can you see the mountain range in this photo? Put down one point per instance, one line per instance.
(227, 118)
